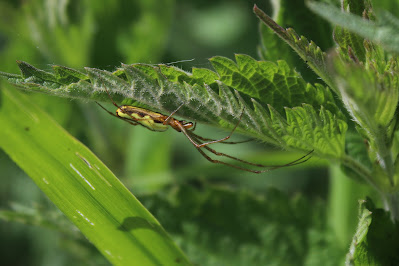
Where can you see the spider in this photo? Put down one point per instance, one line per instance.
(158, 122)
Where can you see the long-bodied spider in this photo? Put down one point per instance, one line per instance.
(158, 122)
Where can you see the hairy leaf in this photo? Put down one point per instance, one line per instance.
(292, 14)
(308, 51)
(312, 120)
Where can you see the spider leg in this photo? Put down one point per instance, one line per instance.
(109, 95)
(215, 141)
(222, 140)
(297, 161)
(272, 167)
(230, 165)
(122, 118)
(105, 109)
(170, 116)
(198, 144)
(194, 127)
(243, 168)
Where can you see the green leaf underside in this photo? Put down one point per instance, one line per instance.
(262, 90)
(376, 239)
(81, 186)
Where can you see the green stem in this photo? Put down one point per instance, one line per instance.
(390, 200)
(391, 203)
(361, 170)
(385, 155)
(342, 205)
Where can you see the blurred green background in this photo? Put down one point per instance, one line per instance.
(104, 34)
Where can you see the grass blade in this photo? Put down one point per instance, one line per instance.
(82, 187)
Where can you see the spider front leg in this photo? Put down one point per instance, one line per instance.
(122, 118)
(167, 120)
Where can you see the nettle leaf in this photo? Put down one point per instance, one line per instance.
(286, 12)
(371, 95)
(275, 84)
(376, 239)
(308, 51)
(383, 31)
(261, 91)
(351, 43)
(249, 231)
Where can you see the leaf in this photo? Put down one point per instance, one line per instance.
(292, 13)
(165, 88)
(371, 95)
(308, 51)
(276, 85)
(384, 31)
(268, 229)
(81, 186)
(350, 43)
(376, 239)
(321, 130)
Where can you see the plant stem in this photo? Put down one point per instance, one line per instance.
(361, 170)
(343, 197)
(391, 204)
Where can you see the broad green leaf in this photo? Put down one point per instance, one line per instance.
(275, 84)
(383, 31)
(82, 187)
(317, 125)
(376, 239)
(267, 229)
(308, 51)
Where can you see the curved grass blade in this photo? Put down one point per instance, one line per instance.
(82, 187)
